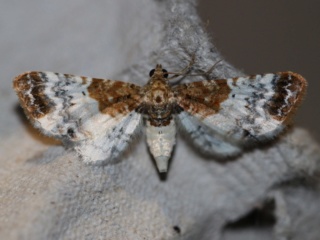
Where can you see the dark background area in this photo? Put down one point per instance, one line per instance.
(271, 36)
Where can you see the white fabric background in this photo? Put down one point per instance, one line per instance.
(47, 193)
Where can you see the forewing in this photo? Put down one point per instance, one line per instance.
(244, 108)
(79, 109)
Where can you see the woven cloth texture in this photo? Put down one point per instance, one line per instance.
(46, 192)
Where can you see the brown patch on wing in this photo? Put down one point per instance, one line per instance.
(114, 97)
(203, 97)
(30, 89)
(66, 75)
(289, 91)
(84, 80)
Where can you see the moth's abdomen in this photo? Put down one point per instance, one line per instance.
(161, 141)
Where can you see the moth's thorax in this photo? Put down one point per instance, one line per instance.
(158, 92)
(158, 101)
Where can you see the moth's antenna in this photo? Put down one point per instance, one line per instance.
(184, 71)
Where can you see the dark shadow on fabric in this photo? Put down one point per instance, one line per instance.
(259, 217)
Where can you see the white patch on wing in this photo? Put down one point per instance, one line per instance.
(205, 139)
(109, 136)
(72, 107)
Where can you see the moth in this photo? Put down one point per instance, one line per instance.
(100, 117)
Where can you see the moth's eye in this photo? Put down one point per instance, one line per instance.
(165, 74)
(151, 73)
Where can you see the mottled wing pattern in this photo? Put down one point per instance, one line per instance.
(243, 109)
(95, 115)
(111, 137)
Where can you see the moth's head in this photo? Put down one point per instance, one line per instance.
(158, 72)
